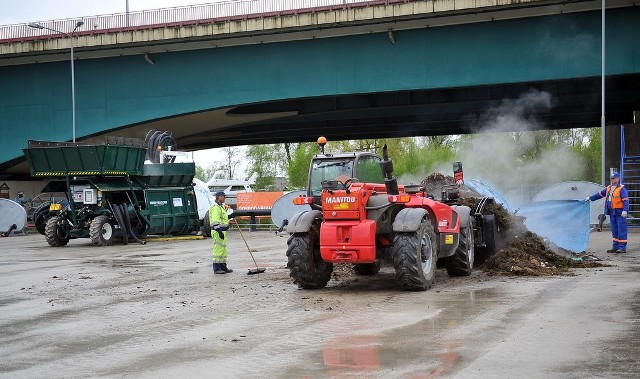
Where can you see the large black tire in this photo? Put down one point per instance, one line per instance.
(461, 263)
(414, 258)
(367, 268)
(490, 230)
(306, 267)
(55, 233)
(206, 226)
(101, 231)
(40, 217)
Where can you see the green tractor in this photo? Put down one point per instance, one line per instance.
(111, 192)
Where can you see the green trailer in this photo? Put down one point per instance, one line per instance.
(111, 192)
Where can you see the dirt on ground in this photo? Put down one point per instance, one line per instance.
(520, 251)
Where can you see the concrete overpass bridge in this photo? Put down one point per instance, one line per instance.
(346, 70)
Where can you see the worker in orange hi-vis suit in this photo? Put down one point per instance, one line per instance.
(617, 207)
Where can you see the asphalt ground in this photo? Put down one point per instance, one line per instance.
(157, 310)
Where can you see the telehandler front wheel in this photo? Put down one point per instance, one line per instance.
(414, 258)
(56, 232)
(306, 267)
(101, 231)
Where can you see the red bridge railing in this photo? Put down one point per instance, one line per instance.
(180, 16)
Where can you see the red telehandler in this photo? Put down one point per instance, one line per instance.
(360, 215)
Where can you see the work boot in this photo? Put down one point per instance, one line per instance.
(217, 269)
(225, 268)
(621, 251)
(611, 251)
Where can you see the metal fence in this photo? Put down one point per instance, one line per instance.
(185, 15)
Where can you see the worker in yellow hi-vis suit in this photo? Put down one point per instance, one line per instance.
(219, 220)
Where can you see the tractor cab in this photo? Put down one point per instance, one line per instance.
(338, 171)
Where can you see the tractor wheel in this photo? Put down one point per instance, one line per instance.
(55, 232)
(101, 231)
(461, 263)
(206, 226)
(414, 258)
(307, 269)
(40, 217)
(490, 238)
(367, 268)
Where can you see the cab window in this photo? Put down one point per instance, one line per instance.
(368, 170)
(329, 169)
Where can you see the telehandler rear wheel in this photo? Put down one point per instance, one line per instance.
(307, 269)
(461, 263)
(55, 232)
(414, 258)
(490, 238)
(101, 231)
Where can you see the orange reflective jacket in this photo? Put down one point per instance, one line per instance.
(613, 197)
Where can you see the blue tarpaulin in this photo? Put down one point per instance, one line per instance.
(563, 222)
(485, 189)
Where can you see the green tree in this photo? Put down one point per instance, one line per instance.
(298, 169)
(265, 160)
(417, 157)
(590, 149)
(205, 173)
(231, 161)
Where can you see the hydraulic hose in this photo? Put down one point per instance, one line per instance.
(155, 139)
(127, 222)
(117, 212)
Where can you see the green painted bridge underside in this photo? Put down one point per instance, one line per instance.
(115, 92)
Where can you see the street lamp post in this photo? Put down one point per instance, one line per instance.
(602, 110)
(73, 80)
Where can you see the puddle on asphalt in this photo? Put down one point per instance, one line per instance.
(406, 344)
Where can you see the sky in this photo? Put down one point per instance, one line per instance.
(26, 11)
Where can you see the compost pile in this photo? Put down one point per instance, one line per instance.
(527, 255)
(521, 252)
(434, 183)
(506, 222)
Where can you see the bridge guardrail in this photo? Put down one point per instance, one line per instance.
(185, 15)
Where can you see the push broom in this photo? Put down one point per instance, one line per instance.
(252, 271)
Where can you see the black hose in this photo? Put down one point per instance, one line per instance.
(127, 221)
(152, 152)
(12, 228)
(117, 213)
(155, 139)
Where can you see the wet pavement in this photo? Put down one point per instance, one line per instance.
(159, 311)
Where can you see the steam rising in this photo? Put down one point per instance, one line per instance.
(509, 132)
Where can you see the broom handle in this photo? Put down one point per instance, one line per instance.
(245, 243)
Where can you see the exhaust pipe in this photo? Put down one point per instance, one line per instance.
(390, 181)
